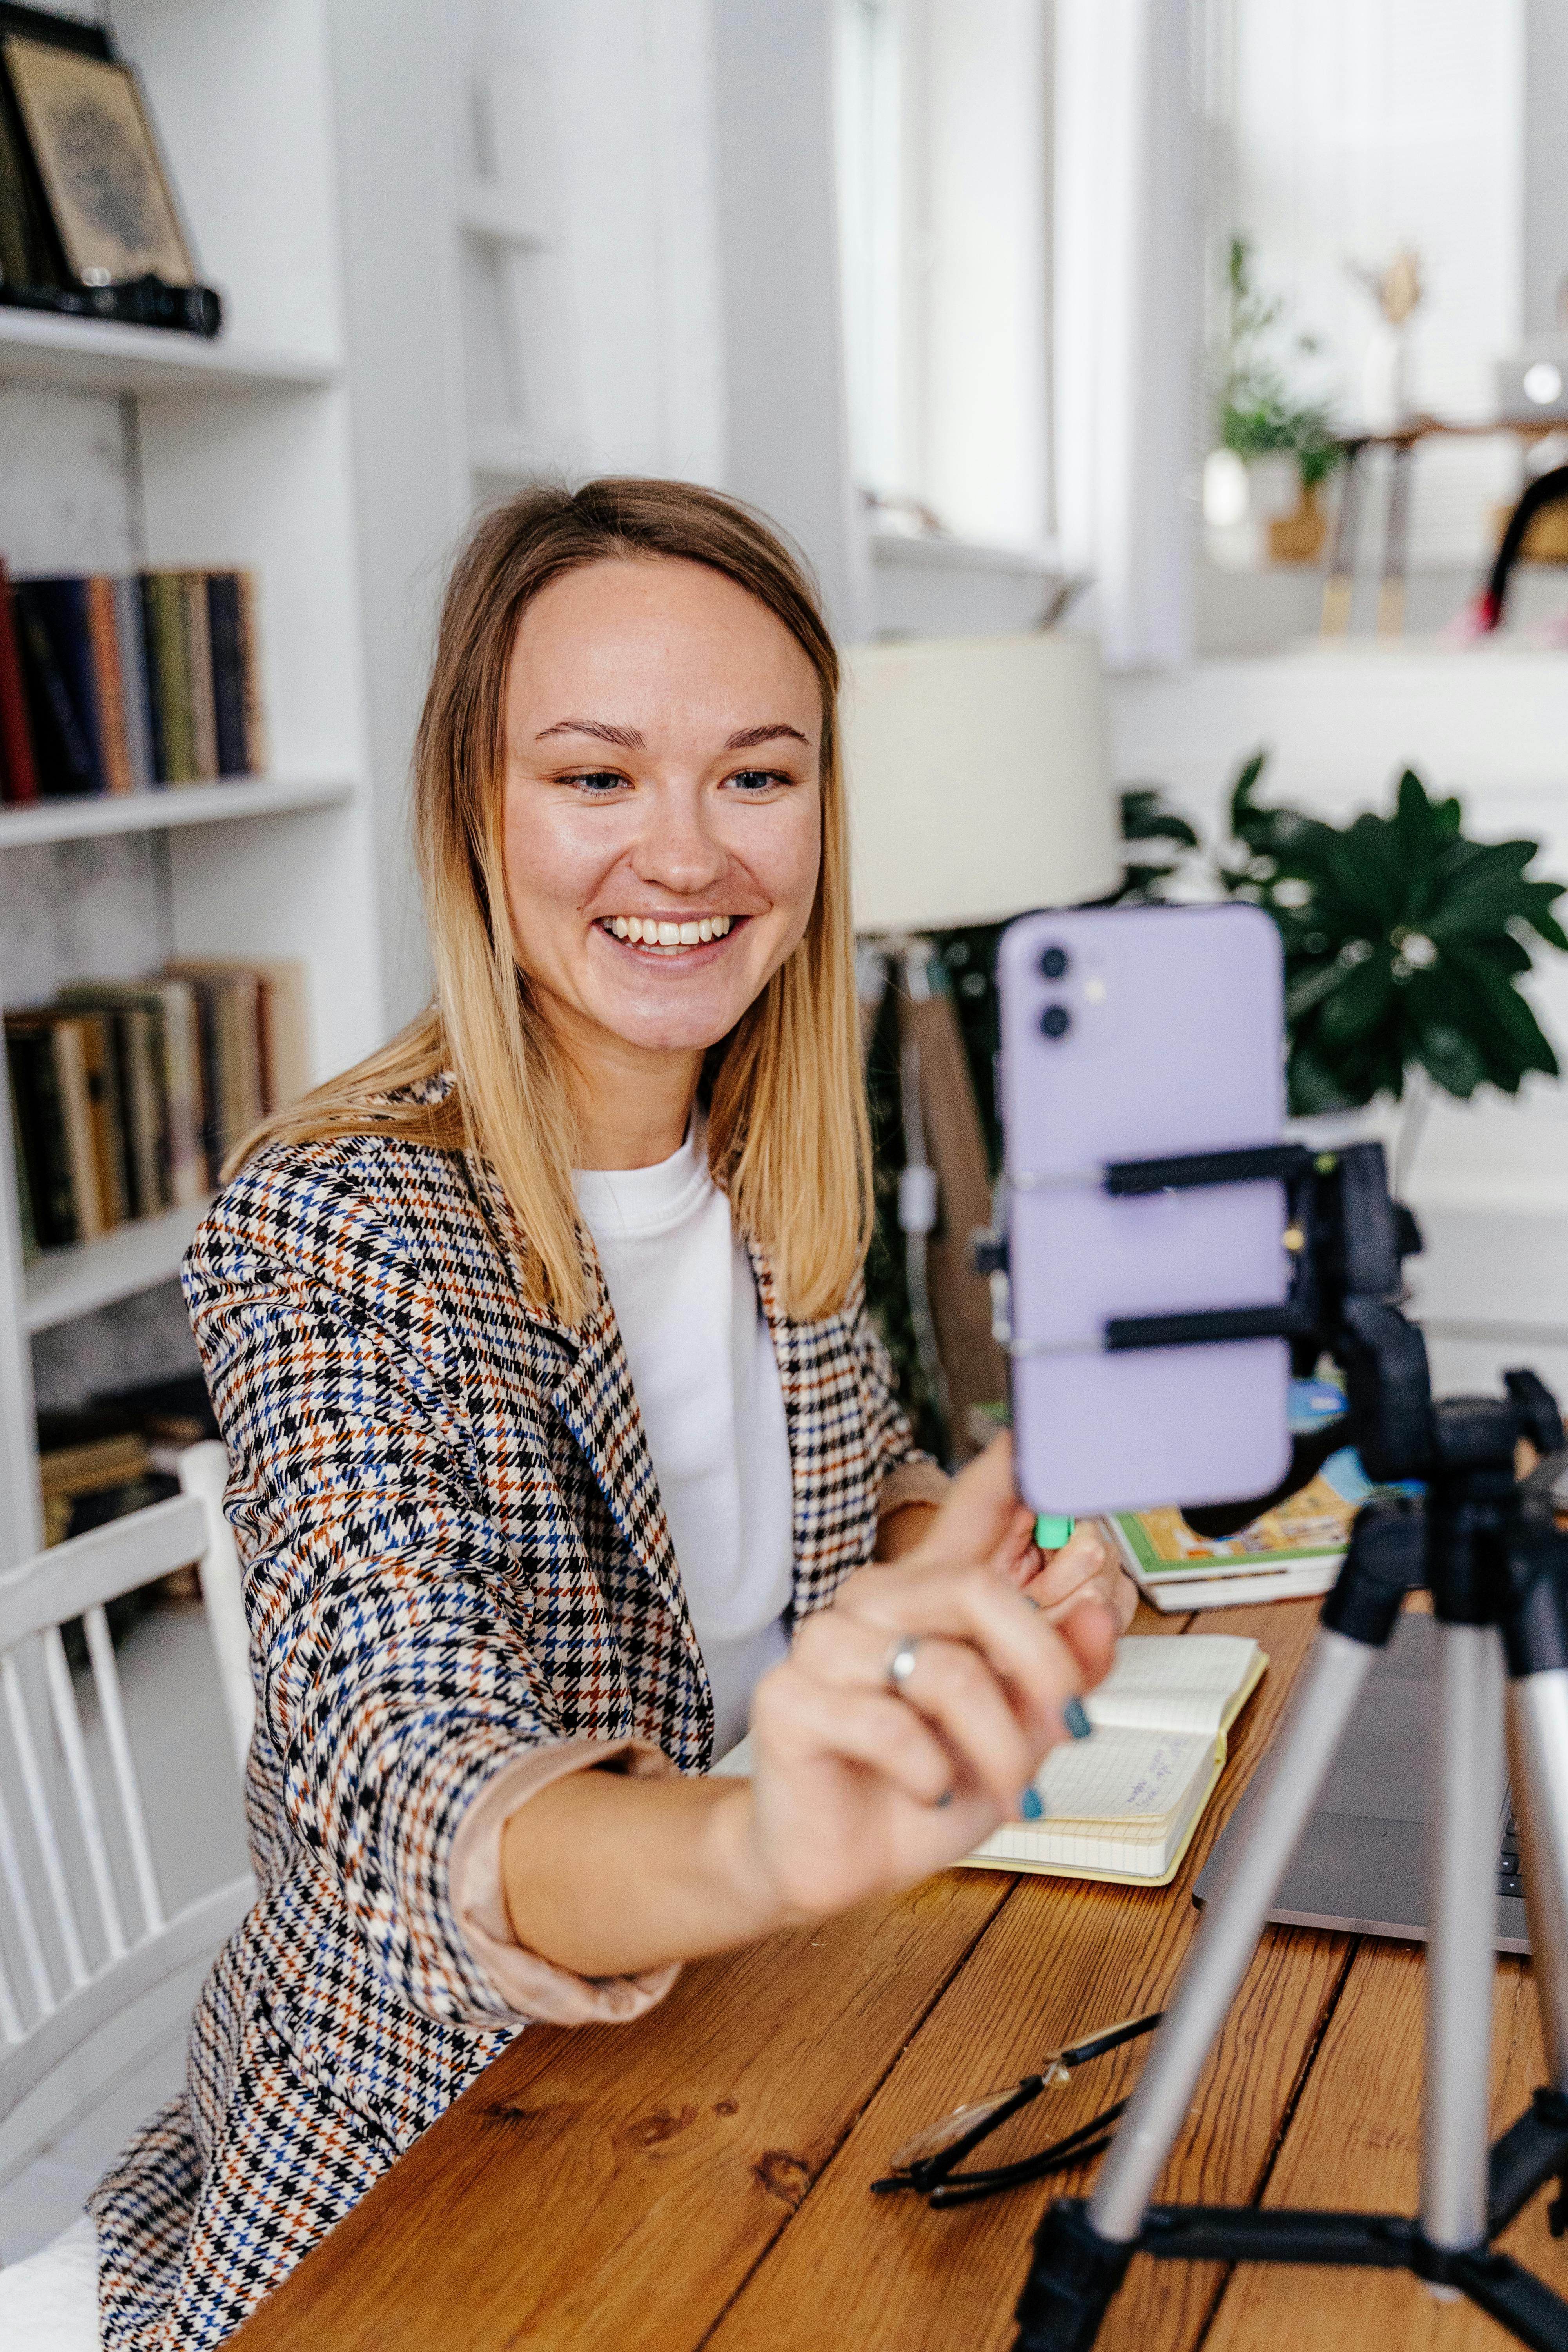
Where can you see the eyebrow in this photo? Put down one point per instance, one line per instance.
(628, 738)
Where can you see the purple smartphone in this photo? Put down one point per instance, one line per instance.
(1131, 1033)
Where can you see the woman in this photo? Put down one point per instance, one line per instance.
(536, 1480)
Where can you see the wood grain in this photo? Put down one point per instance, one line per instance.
(701, 2176)
(1354, 2144)
(1062, 1957)
(613, 2185)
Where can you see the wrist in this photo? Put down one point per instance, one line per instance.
(736, 1858)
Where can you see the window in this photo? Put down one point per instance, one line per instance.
(944, 151)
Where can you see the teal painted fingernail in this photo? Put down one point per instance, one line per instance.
(1052, 1530)
(1075, 1717)
(1030, 1806)
(945, 1799)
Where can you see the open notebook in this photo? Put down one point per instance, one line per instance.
(1123, 1804)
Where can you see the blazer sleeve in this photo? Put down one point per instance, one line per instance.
(392, 1688)
(904, 1474)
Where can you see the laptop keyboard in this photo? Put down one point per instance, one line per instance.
(1509, 1881)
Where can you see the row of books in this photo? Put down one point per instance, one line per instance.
(126, 1096)
(122, 685)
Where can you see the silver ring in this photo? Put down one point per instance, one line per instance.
(900, 1665)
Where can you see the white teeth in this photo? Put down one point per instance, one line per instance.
(644, 930)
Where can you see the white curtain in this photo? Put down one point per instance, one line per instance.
(1124, 321)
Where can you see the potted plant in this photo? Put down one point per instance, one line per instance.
(1405, 942)
(1263, 417)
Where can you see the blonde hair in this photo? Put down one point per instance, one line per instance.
(787, 1133)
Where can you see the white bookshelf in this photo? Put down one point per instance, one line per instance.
(241, 454)
(96, 356)
(164, 811)
(63, 1283)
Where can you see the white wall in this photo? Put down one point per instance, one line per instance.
(1545, 160)
(391, 82)
(788, 440)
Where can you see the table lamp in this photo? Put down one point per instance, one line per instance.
(979, 788)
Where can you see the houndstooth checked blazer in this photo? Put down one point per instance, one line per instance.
(453, 1545)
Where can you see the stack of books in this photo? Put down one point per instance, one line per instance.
(1292, 1552)
(126, 1096)
(123, 685)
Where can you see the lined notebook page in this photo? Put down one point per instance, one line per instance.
(1157, 1684)
(1129, 1779)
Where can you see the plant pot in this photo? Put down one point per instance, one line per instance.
(1298, 538)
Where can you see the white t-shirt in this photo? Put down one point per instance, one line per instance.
(707, 1385)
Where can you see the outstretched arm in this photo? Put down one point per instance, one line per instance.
(857, 1791)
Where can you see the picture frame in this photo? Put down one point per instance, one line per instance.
(97, 155)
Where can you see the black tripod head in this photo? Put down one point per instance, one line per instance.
(1349, 1240)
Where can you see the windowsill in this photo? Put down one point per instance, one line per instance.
(895, 547)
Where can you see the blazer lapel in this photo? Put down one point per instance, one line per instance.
(582, 1370)
(795, 1388)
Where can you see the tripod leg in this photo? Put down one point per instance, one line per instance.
(1277, 1809)
(1462, 1927)
(1538, 1745)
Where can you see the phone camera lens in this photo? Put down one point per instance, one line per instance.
(1055, 1019)
(1053, 963)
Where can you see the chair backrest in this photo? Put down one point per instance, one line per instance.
(204, 1472)
(73, 1955)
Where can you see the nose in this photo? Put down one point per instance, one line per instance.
(677, 849)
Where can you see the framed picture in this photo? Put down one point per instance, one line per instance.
(97, 158)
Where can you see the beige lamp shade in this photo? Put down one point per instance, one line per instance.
(978, 780)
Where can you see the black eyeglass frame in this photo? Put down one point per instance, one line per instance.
(936, 2177)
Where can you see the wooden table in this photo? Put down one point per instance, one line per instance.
(700, 2178)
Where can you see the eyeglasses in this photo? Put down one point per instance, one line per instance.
(929, 2162)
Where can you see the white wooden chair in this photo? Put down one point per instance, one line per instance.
(83, 1929)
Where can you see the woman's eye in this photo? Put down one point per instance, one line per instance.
(758, 780)
(597, 783)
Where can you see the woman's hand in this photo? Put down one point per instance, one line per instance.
(857, 1787)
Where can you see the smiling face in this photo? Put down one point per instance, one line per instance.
(663, 817)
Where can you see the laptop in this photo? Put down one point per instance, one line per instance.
(1360, 1865)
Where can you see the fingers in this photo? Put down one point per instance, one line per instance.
(969, 1605)
(1086, 1555)
(1016, 1560)
(981, 1506)
(868, 1727)
(1090, 1630)
(952, 1686)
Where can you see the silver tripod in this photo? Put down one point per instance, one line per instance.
(1498, 1581)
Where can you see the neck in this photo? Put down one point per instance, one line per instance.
(632, 1106)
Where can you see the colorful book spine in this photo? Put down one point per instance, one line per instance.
(226, 630)
(16, 768)
(109, 686)
(170, 647)
(137, 702)
(199, 670)
(61, 606)
(63, 757)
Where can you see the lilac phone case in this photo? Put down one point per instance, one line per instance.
(1172, 1044)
